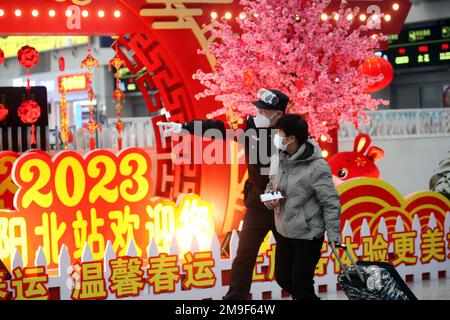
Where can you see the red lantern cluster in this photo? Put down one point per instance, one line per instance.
(3, 112)
(29, 111)
(375, 67)
(28, 56)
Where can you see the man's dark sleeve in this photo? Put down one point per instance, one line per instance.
(205, 125)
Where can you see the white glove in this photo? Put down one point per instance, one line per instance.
(170, 127)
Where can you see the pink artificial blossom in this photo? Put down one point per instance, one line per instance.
(288, 47)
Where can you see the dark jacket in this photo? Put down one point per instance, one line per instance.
(256, 183)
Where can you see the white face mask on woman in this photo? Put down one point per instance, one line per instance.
(278, 142)
(262, 121)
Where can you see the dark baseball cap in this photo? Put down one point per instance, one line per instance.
(280, 105)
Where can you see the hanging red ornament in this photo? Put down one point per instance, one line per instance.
(28, 56)
(62, 64)
(2, 56)
(90, 62)
(29, 112)
(375, 67)
(117, 62)
(3, 112)
(118, 95)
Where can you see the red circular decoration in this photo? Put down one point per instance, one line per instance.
(28, 56)
(29, 111)
(2, 56)
(3, 112)
(375, 67)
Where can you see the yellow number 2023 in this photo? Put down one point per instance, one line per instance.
(27, 173)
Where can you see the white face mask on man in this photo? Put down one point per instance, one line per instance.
(262, 121)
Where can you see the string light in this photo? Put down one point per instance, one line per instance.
(18, 12)
(2, 13)
(68, 13)
(350, 17)
(52, 13)
(395, 6)
(242, 15)
(101, 13)
(34, 13)
(362, 17)
(387, 17)
(323, 138)
(228, 15)
(324, 153)
(214, 15)
(85, 13)
(336, 16)
(324, 16)
(117, 14)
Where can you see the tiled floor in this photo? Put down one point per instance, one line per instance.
(424, 290)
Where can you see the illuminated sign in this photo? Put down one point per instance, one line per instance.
(99, 197)
(402, 60)
(12, 44)
(425, 44)
(73, 82)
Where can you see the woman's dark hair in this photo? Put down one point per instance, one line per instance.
(294, 125)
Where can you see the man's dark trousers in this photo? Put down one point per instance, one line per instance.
(257, 222)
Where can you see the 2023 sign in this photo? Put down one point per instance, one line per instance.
(70, 180)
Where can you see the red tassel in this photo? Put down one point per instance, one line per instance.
(28, 80)
(119, 143)
(92, 143)
(33, 136)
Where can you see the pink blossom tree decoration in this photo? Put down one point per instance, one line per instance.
(286, 45)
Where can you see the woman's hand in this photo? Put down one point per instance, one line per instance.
(272, 203)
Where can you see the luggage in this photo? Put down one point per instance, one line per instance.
(366, 280)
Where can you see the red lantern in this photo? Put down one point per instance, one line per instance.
(3, 112)
(62, 64)
(28, 56)
(29, 112)
(2, 56)
(375, 67)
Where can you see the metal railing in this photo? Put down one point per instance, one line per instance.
(385, 124)
(400, 123)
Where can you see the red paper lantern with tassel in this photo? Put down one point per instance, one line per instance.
(29, 112)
